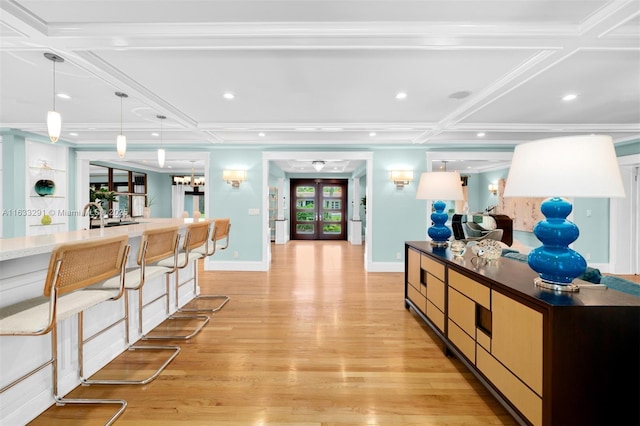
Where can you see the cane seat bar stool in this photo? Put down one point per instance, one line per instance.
(155, 245)
(195, 235)
(220, 232)
(73, 267)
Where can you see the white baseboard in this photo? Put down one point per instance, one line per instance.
(385, 267)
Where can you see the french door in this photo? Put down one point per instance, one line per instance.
(318, 209)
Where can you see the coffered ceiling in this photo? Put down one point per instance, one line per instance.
(322, 74)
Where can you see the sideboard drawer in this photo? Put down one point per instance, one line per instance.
(515, 390)
(462, 311)
(470, 288)
(435, 292)
(462, 340)
(435, 315)
(434, 268)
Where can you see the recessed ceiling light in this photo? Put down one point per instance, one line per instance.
(569, 97)
(229, 95)
(155, 134)
(460, 95)
(63, 96)
(73, 134)
(261, 134)
(372, 134)
(305, 129)
(480, 134)
(332, 129)
(401, 95)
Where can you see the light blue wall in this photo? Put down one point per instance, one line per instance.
(247, 237)
(398, 216)
(629, 148)
(159, 188)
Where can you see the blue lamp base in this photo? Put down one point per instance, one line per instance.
(557, 264)
(438, 232)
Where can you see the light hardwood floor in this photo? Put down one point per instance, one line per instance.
(314, 341)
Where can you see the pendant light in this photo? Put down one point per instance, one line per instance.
(54, 120)
(121, 140)
(161, 149)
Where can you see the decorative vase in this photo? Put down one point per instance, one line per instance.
(45, 187)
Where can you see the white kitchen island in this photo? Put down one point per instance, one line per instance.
(23, 268)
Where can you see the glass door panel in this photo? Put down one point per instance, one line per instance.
(319, 209)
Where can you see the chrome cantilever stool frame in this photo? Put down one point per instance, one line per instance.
(195, 233)
(220, 231)
(155, 245)
(73, 267)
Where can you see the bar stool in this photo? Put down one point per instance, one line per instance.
(196, 235)
(72, 268)
(220, 231)
(155, 245)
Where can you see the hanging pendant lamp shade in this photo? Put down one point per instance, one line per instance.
(54, 120)
(161, 153)
(121, 140)
(54, 125)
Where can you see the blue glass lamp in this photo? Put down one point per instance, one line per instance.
(572, 166)
(439, 186)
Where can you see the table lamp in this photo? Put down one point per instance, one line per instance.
(572, 166)
(439, 186)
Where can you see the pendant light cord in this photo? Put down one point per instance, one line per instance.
(54, 85)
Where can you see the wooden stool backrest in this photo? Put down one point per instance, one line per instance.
(221, 230)
(77, 265)
(158, 244)
(197, 235)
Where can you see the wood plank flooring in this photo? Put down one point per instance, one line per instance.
(315, 341)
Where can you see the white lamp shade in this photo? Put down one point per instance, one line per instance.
(161, 157)
(121, 145)
(54, 125)
(237, 175)
(440, 186)
(573, 166)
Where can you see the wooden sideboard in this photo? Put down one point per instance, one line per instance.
(549, 358)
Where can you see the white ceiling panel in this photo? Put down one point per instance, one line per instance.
(311, 73)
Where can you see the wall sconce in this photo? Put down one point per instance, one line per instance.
(493, 188)
(401, 177)
(234, 177)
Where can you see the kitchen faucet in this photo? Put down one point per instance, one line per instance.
(100, 210)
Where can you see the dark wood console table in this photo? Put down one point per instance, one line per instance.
(549, 358)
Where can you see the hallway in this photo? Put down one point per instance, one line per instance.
(314, 341)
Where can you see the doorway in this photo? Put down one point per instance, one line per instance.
(319, 209)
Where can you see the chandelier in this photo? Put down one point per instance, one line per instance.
(192, 180)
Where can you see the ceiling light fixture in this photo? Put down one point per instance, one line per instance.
(569, 97)
(372, 134)
(261, 134)
(318, 165)
(121, 140)
(161, 153)
(229, 95)
(54, 120)
(192, 180)
(481, 134)
(401, 95)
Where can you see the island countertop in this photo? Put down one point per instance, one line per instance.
(13, 248)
